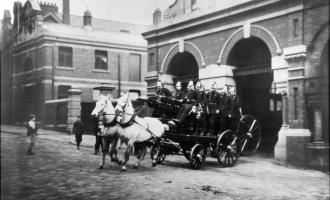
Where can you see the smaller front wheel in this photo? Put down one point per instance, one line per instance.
(197, 156)
(158, 153)
(227, 151)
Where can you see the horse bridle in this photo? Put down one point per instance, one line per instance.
(104, 114)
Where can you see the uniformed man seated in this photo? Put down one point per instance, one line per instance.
(189, 101)
(159, 102)
(162, 90)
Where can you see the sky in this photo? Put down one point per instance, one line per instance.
(133, 11)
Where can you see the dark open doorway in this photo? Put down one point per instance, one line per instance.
(254, 78)
(184, 67)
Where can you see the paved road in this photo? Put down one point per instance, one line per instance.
(58, 170)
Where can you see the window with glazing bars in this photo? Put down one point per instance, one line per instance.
(101, 60)
(65, 56)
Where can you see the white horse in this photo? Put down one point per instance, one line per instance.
(105, 111)
(136, 129)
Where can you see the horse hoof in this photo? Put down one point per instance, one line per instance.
(123, 169)
(100, 167)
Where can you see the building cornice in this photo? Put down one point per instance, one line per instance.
(230, 26)
(184, 23)
(51, 38)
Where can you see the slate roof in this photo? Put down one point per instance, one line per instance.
(92, 35)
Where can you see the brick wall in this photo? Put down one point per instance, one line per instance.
(297, 151)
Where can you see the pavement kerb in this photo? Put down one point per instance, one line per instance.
(88, 140)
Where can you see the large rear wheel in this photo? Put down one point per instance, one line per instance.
(249, 133)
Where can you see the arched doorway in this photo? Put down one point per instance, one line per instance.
(253, 77)
(183, 67)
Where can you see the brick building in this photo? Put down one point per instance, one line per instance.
(45, 54)
(274, 52)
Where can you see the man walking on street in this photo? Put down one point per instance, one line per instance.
(31, 133)
(98, 139)
(78, 130)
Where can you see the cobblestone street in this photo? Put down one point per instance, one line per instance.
(58, 170)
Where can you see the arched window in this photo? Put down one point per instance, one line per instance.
(28, 64)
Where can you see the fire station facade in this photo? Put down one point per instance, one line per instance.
(274, 52)
(56, 65)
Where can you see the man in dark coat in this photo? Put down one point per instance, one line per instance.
(162, 90)
(98, 138)
(179, 94)
(213, 109)
(32, 128)
(162, 93)
(200, 108)
(78, 130)
(189, 102)
(234, 108)
(224, 103)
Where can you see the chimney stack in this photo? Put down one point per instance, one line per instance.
(87, 18)
(157, 16)
(66, 12)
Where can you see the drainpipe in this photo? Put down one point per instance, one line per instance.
(53, 72)
(119, 74)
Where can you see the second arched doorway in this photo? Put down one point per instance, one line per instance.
(253, 77)
(183, 67)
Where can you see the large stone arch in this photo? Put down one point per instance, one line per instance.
(189, 47)
(316, 48)
(257, 31)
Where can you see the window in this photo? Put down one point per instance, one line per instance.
(28, 93)
(101, 60)
(151, 66)
(271, 105)
(124, 31)
(62, 92)
(295, 103)
(295, 28)
(65, 56)
(134, 67)
(28, 64)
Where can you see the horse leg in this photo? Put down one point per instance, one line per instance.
(106, 143)
(140, 156)
(126, 155)
(114, 150)
(155, 152)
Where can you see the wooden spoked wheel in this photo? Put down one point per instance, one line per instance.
(197, 156)
(227, 149)
(158, 152)
(249, 133)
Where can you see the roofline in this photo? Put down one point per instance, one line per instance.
(182, 24)
(69, 40)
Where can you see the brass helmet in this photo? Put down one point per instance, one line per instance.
(198, 85)
(190, 85)
(232, 90)
(159, 83)
(178, 85)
